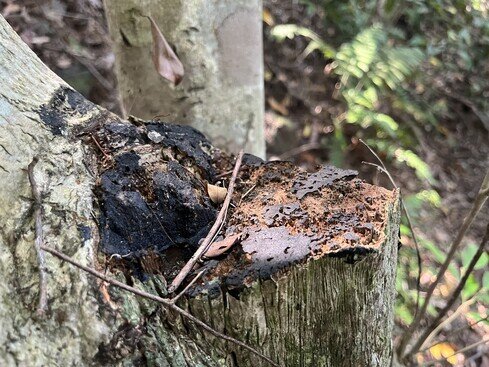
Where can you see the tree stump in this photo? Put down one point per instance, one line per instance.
(310, 282)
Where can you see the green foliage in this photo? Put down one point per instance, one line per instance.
(398, 66)
(283, 31)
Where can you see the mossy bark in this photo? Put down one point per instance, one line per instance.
(324, 312)
(220, 45)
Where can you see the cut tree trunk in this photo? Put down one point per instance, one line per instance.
(220, 46)
(309, 283)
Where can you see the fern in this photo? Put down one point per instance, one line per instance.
(371, 59)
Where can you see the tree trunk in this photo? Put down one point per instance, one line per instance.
(220, 45)
(311, 282)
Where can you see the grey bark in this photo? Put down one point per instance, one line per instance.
(220, 45)
(323, 312)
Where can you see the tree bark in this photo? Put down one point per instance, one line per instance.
(220, 45)
(310, 284)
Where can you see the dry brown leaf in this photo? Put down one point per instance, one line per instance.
(166, 62)
(280, 107)
(216, 193)
(220, 247)
(268, 17)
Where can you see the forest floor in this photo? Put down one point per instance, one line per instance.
(71, 37)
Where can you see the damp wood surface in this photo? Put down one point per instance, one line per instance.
(310, 280)
(155, 208)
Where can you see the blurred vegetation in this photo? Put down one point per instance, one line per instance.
(397, 66)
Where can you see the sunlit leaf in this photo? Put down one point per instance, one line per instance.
(444, 350)
(469, 252)
(470, 287)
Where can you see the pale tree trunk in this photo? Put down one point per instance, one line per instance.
(310, 284)
(220, 45)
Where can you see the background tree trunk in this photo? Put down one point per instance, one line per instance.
(220, 45)
(311, 284)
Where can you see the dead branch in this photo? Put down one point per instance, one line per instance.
(478, 203)
(460, 309)
(177, 297)
(213, 231)
(408, 217)
(164, 301)
(39, 241)
(453, 298)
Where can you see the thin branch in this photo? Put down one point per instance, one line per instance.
(453, 298)
(246, 194)
(108, 157)
(224, 174)
(478, 203)
(455, 331)
(300, 149)
(463, 350)
(39, 241)
(177, 297)
(164, 301)
(213, 231)
(446, 322)
(410, 222)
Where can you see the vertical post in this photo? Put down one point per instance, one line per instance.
(220, 45)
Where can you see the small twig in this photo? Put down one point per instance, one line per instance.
(224, 174)
(39, 241)
(447, 321)
(247, 193)
(476, 206)
(463, 350)
(160, 115)
(408, 217)
(177, 297)
(164, 301)
(92, 69)
(300, 149)
(454, 332)
(456, 293)
(213, 231)
(100, 147)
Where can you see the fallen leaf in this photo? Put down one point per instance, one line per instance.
(216, 193)
(279, 107)
(220, 247)
(166, 62)
(268, 17)
(444, 350)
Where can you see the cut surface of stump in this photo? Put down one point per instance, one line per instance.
(311, 259)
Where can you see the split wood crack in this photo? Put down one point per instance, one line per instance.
(169, 303)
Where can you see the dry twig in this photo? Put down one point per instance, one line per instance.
(383, 168)
(456, 293)
(478, 203)
(38, 243)
(177, 297)
(213, 231)
(165, 302)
